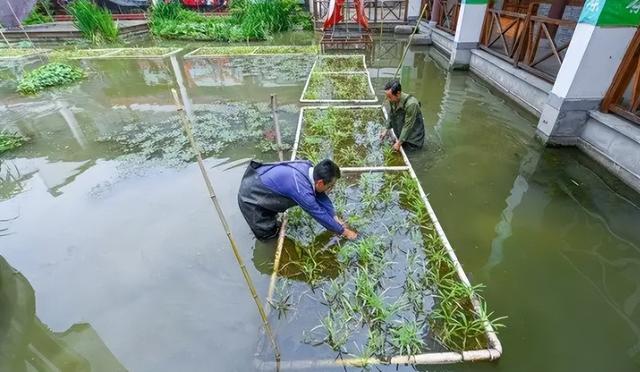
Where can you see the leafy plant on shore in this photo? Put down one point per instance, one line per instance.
(50, 75)
(249, 20)
(41, 13)
(93, 21)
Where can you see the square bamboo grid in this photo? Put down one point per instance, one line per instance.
(29, 54)
(339, 101)
(171, 51)
(105, 53)
(207, 52)
(495, 347)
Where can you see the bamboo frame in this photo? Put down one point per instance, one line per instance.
(194, 54)
(142, 56)
(32, 53)
(342, 101)
(108, 52)
(495, 347)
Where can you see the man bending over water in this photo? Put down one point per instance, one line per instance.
(272, 188)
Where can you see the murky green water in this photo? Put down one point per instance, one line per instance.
(121, 264)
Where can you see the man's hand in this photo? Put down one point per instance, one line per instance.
(341, 222)
(383, 134)
(397, 145)
(349, 234)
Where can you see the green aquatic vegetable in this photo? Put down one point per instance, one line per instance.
(50, 75)
(10, 141)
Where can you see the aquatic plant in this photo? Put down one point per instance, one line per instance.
(94, 22)
(338, 86)
(281, 299)
(132, 52)
(329, 63)
(10, 141)
(50, 75)
(407, 338)
(61, 54)
(336, 330)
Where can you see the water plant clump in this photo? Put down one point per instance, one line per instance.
(224, 51)
(142, 52)
(53, 74)
(162, 140)
(394, 291)
(10, 141)
(287, 49)
(338, 86)
(346, 135)
(94, 22)
(79, 53)
(329, 63)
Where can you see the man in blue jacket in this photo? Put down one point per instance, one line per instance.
(272, 188)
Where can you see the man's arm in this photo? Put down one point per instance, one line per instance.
(411, 112)
(319, 212)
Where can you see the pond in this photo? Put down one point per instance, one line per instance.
(113, 258)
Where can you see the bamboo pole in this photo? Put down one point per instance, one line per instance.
(194, 146)
(406, 49)
(274, 113)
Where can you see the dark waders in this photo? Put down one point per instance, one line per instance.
(416, 139)
(259, 205)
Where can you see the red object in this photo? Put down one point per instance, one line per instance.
(194, 3)
(360, 17)
(335, 14)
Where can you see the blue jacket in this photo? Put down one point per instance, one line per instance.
(292, 180)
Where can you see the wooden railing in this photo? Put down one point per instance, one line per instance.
(448, 18)
(376, 11)
(623, 96)
(503, 31)
(534, 43)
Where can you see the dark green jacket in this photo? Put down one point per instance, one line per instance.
(406, 120)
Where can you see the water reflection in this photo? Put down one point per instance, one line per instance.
(27, 344)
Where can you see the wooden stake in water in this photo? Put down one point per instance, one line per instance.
(186, 124)
(274, 112)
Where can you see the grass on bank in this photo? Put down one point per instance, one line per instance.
(249, 20)
(93, 21)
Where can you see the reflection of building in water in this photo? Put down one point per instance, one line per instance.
(155, 71)
(212, 72)
(29, 345)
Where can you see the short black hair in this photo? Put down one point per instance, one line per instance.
(394, 85)
(326, 170)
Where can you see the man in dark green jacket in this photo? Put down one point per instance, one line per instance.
(405, 118)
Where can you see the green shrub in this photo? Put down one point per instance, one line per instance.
(41, 13)
(95, 22)
(50, 75)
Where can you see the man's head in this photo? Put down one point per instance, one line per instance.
(325, 175)
(393, 89)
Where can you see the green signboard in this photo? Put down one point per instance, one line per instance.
(481, 2)
(611, 13)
